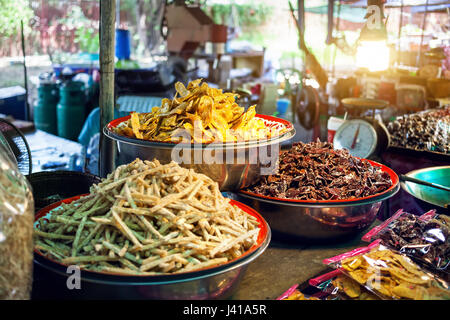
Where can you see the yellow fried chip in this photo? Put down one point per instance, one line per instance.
(194, 84)
(135, 125)
(409, 291)
(352, 289)
(181, 89)
(394, 276)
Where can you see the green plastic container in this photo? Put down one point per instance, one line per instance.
(45, 108)
(71, 110)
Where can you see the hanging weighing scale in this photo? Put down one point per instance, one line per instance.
(363, 137)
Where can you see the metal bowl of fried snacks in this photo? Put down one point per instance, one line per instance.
(234, 165)
(320, 220)
(149, 231)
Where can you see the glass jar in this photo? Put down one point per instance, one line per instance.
(16, 231)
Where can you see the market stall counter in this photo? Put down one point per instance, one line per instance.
(159, 229)
(280, 266)
(286, 263)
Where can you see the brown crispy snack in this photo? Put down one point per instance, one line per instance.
(316, 171)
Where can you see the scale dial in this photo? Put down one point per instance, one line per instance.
(358, 137)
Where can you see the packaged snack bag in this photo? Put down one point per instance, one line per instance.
(389, 275)
(425, 239)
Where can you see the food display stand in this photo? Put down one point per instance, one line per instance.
(203, 199)
(320, 205)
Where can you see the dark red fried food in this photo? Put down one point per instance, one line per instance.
(427, 241)
(315, 171)
(422, 131)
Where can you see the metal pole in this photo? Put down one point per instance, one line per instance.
(301, 29)
(333, 72)
(399, 34)
(424, 23)
(118, 13)
(301, 15)
(27, 105)
(330, 22)
(107, 34)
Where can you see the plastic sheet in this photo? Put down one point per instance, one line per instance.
(16, 231)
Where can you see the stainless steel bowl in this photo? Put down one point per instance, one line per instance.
(318, 221)
(220, 282)
(314, 222)
(238, 165)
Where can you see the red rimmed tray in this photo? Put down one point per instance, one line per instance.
(392, 175)
(271, 122)
(262, 241)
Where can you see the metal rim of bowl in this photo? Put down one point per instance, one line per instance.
(391, 191)
(412, 173)
(107, 130)
(324, 204)
(37, 175)
(119, 279)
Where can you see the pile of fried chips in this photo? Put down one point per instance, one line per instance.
(394, 276)
(199, 114)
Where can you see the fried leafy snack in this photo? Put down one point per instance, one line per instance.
(198, 114)
(338, 286)
(394, 276)
(352, 289)
(146, 218)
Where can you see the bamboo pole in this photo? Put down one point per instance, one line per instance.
(107, 34)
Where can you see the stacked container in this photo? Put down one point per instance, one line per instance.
(45, 107)
(71, 110)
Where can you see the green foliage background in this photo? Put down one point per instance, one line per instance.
(11, 12)
(85, 35)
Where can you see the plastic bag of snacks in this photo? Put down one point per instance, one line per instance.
(389, 275)
(16, 231)
(425, 238)
(341, 287)
(293, 293)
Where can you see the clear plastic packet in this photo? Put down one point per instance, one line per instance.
(388, 274)
(341, 287)
(425, 239)
(294, 293)
(16, 231)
